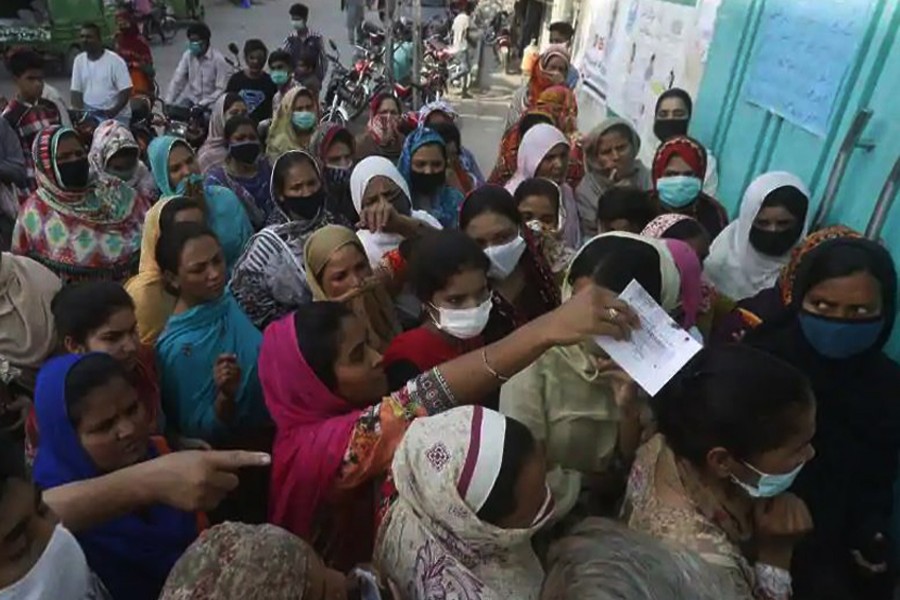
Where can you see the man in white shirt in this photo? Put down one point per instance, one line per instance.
(202, 73)
(460, 47)
(100, 79)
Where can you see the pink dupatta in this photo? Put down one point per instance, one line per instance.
(690, 270)
(313, 430)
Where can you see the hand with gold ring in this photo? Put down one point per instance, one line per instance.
(591, 312)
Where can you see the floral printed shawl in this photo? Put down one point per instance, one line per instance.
(110, 137)
(432, 544)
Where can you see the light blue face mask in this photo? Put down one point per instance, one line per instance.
(678, 191)
(304, 120)
(279, 77)
(768, 485)
(193, 178)
(840, 338)
(195, 48)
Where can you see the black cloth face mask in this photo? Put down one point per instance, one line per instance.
(775, 243)
(427, 183)
(74, 174)
(305, 207)
(666, 129)
(244, 152)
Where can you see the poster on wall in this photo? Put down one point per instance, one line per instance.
(803, 52)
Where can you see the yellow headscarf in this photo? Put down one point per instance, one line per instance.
(373, 304)
(282, 134)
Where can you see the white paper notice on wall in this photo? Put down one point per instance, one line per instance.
(656, 351)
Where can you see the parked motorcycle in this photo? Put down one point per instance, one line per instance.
(499, 37)
(188, 123)
(350, 90)
(160, 21)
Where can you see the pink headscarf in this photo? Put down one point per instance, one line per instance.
(690, 270)
(313, 430)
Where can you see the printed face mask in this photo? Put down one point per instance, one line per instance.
(337, 176)
(304, 120)
(678, 191)
(463, 323)
(505, 257)
(193, 180)
(768, 485)
(840, 338)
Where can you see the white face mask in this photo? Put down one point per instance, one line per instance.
(505, 257)
(463, 323)
(61, 572)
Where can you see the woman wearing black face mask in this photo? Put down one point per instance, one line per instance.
(269, 280)
(335, 149)
(749, 253)
(78, 227)
(423, 164)
(246, 171)
(674, 109)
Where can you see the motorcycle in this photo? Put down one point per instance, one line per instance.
(160, 21)
(350, 90)
(499, 37)
(188, 123)
(143, 123)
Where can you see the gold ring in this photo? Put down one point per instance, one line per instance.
(613, 313)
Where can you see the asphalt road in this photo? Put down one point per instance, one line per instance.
(268, 20)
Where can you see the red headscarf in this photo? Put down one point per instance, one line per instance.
(130, 44)
(689, 149)
(313, 430)
(383, 129)
(540, 81)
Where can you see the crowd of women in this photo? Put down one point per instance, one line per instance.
(335, 366)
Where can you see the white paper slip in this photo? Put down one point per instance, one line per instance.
(656, 351)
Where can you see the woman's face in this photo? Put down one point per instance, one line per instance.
(300, 180)
(113, 427)
(554, 164)
(466, 289)
(182, 163)
(531, 493)
(117, 337)
(856, 296)
(388, 107)
(672, 108)
(201, 271)
(384, 190)
(678, 166)
(69, 149)
(123, 161)
(429, 159)
(796, 450)
(339, 155)
(244, 133)
(615, 152)
(345, 270)
(304, 103)
(556, 69)
(774, 218)
(360, 377)
(236, 109)
(539, 208)
(491, 229)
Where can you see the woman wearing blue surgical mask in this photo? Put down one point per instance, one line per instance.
(678, 169)
(448, 273)
(295, 121)
(524, 286)
(839, 306)
(735, 429)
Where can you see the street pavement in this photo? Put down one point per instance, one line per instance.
(268, 20)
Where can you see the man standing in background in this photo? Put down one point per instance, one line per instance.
(460, 48)
(304, 43)
(101, 82)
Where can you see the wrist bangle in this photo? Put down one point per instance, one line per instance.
(490, 369)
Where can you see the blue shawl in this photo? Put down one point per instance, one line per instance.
(226, 215)
(186, 352)
(132, 554)
(446, 201)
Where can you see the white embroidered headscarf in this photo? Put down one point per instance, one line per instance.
(432, 543)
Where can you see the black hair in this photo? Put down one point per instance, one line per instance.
(438, 256)
(732, 396)
(634, 205)
(281, 56)
(613, 261)
(563, 28)
(236, 122)
(254, 45)
(791, 199)
(200, 30)
(529, 120)
(318, 329)
(686, 229)
(231, 98)
(284, 163)
(174, 239)
(12, 462)
(93, 27)
(448, 132)
(171, 209)
(22, 60)
(518, 445)
(343, 136)
(843, 257)
(537, 186)
(83, 307)
(676, 93)
(89, 373)
(299, 11)
(489, 199)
